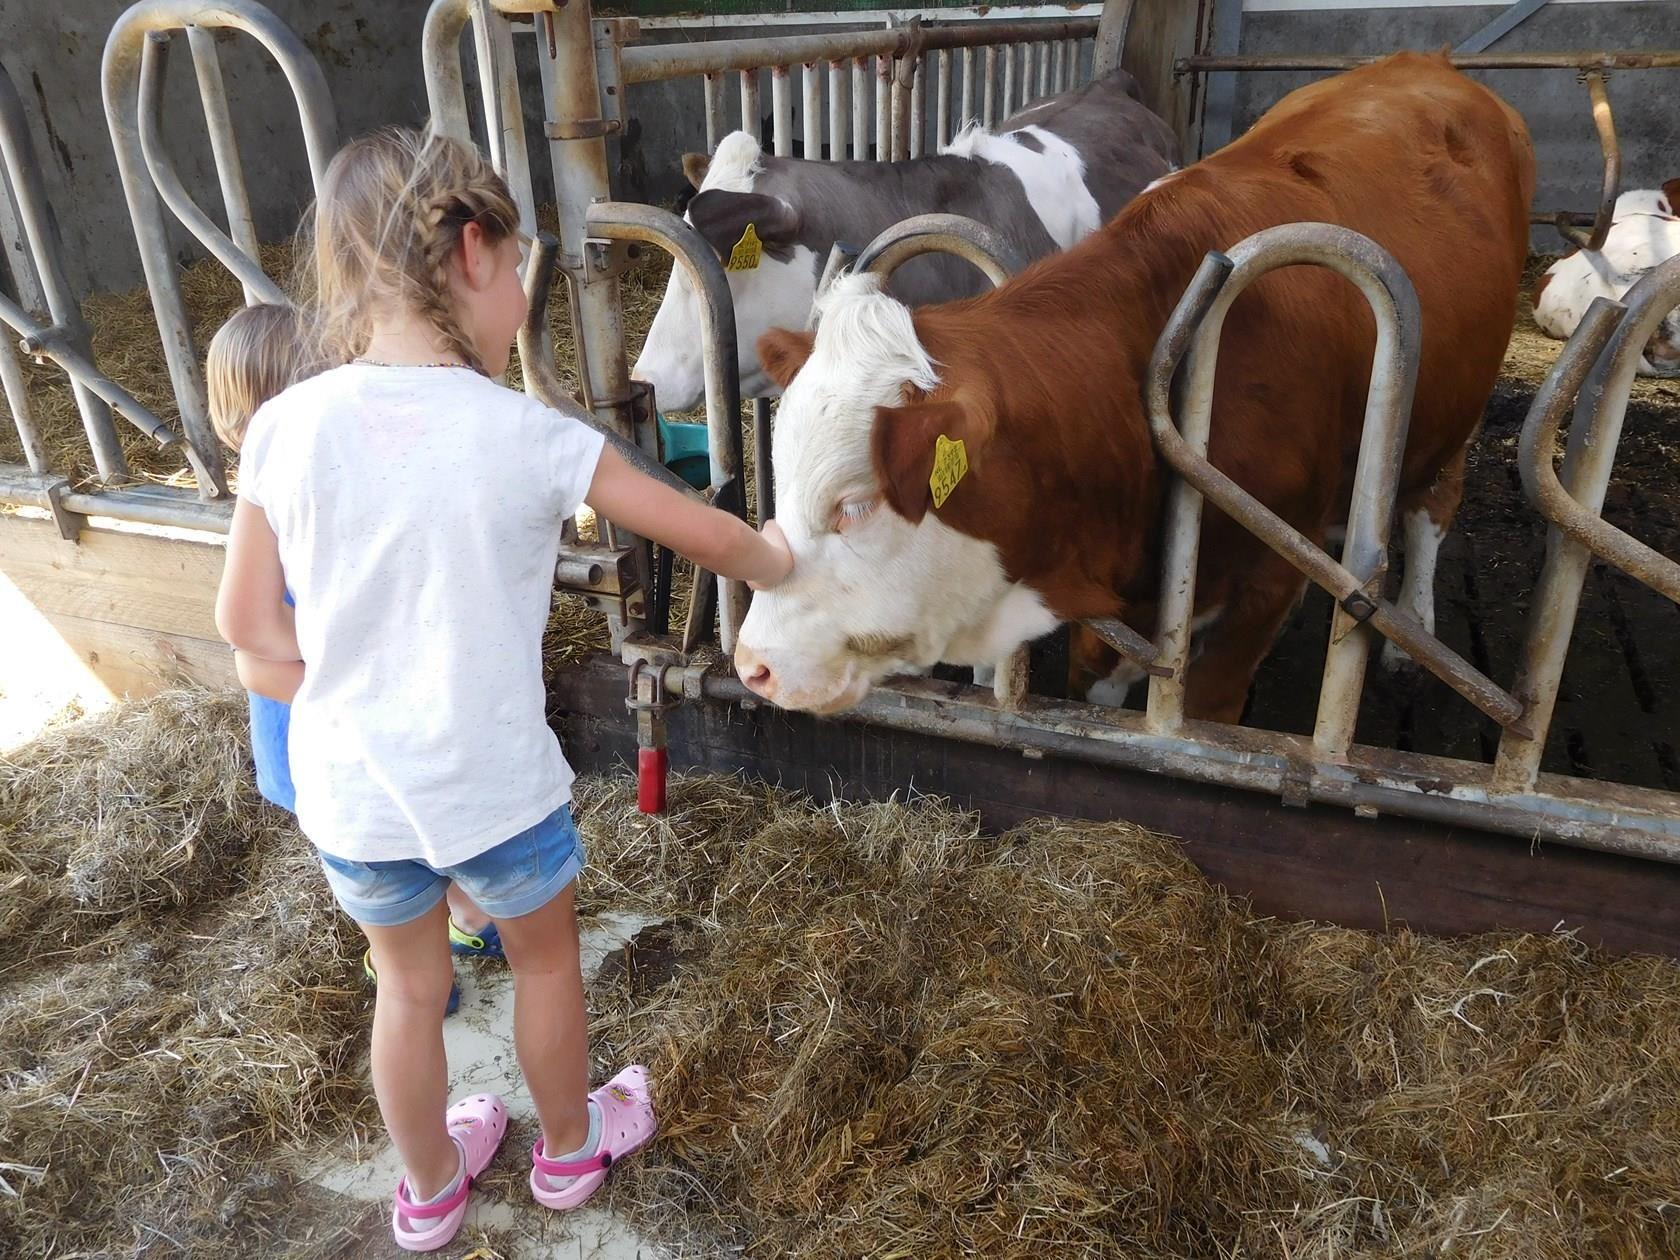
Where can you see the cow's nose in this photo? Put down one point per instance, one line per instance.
(755, 671)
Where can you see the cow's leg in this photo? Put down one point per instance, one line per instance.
(1096, 672)
(1219, 678)
(1425, 517)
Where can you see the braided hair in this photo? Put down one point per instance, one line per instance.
(389, 217)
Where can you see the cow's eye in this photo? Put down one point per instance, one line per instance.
(850, 512)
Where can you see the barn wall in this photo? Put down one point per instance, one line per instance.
(371, 56)
(1555, 105)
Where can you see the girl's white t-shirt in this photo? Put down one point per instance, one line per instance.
(419, 512)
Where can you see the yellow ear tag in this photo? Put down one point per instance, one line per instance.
(747, 252)
(950, 465)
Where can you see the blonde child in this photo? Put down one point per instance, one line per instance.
(260, 351)
(415, 507)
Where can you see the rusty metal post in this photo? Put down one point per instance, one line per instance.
(811, 77)
(942, 99)
(965, 109)
(860, 109)
(988, 106)
(712, 86)
(781, 108)
(883, 108)
(839, 110)
(751, 102)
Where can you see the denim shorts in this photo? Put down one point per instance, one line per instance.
(514, 878)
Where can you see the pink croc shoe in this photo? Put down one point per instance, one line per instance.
(627, 1125)
(478, 1124)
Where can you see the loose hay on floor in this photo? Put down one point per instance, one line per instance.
(884, 1034)
(179, 1000)
(874, 1031)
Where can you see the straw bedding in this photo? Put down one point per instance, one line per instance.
(875, 1031)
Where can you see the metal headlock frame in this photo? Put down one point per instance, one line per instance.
(583, 84)
(132, 73)
(1592, 69)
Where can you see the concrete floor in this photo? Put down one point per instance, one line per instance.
(478, 1038)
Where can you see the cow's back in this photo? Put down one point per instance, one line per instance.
(1427, 163)
(1124, 145)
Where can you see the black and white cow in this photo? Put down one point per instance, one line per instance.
(1049, 176)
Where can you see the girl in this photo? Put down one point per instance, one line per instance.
(260, 351)
(415, 508)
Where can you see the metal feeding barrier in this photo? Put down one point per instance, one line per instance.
(927, 81)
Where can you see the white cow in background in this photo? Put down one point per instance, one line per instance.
(1644, 232)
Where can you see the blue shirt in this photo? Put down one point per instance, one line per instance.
(271, 720)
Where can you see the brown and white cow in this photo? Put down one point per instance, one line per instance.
(1057, 517)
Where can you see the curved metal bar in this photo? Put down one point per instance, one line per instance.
(440, 60)
(542, 377)
(1607, 344)
(120, 82)
(626, 221)
(945, 234)
(1605, 124)
(55, 344)
(154, 63)
(1195, 326)
(23, 171)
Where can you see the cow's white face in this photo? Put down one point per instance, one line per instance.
(872, 593)
(776, 293)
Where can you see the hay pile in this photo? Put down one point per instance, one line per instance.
(876, 1032)
(180, 999)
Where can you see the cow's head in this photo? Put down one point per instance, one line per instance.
(881, 583)
(772, 283)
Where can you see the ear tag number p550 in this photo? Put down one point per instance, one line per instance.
(748, 251)
(950, 465)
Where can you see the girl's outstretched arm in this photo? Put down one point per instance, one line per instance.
(715, 540)
(251, 609)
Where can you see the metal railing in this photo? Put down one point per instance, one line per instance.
(981, 72)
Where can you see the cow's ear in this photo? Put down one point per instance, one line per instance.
(723, 217)
(783, 352)
(695, 166)
(1671, 192)
(921, 453)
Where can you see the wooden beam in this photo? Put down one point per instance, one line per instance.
(138, 608)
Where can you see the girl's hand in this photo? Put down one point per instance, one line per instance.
(782, 561)
(716, 541)
(251, 609)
